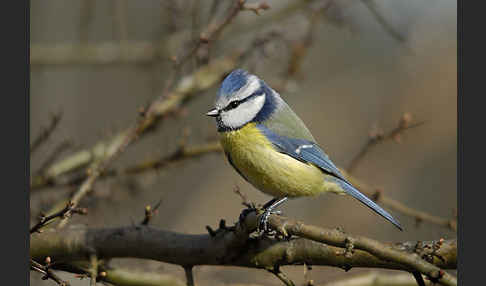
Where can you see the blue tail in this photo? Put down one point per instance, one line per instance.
(350, 190)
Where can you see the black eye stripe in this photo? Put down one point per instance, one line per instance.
(234, 104)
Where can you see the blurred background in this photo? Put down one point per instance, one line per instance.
(346, 67)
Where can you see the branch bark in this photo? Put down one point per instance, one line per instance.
(47, 272)
(233, 246)
(125, 277)
(337, 238)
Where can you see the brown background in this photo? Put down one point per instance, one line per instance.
(352, 78)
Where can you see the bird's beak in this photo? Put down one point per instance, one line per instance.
(213, 112)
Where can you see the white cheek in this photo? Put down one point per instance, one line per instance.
(244, 113)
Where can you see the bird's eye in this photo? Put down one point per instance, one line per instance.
(234, 104)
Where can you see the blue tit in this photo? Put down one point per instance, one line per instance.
(272, 149)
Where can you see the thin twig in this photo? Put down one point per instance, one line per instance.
(300, 49)
(211, 32)
(93, 269)
(181, 154)
(377, 136)
(178, 156)
(280, 275)
(45, 220)
(167, 103)
(150, 212)
(46, 132)
(189, 276)
(244, 199)
(163, 107)
(373, 8)
(82, 191)
(256, 7)
(47, 272)
(418, 277)
(259, 44)
(192, 152)
(130, 277)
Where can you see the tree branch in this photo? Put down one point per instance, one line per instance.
(133, 52)
(185, 153)
(48, 274)
(187, 88)
(189, 276)
(377, 136)
(232, 246)
(66, 211)
(93, 271)
(373, 8)
(124, 277)
(201, 79)
(214, 29)
(281, 276)
(150, 212)
(181, 154)
(337, 238)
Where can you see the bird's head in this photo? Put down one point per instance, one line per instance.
(241, 99)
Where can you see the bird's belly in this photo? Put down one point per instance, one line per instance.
(270, 171)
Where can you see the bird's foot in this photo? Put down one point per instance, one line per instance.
(263, 227)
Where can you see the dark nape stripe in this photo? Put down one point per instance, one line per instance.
(269, 106)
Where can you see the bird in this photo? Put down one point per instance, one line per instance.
(272, 149)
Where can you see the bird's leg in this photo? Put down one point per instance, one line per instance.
(269, 203)
(269, 207)
(252, 208)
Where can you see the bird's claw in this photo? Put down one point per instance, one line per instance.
(263, 227)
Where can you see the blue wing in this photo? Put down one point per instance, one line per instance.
(302, 150)
(309, 152)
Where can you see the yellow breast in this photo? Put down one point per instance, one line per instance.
(271, 172)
